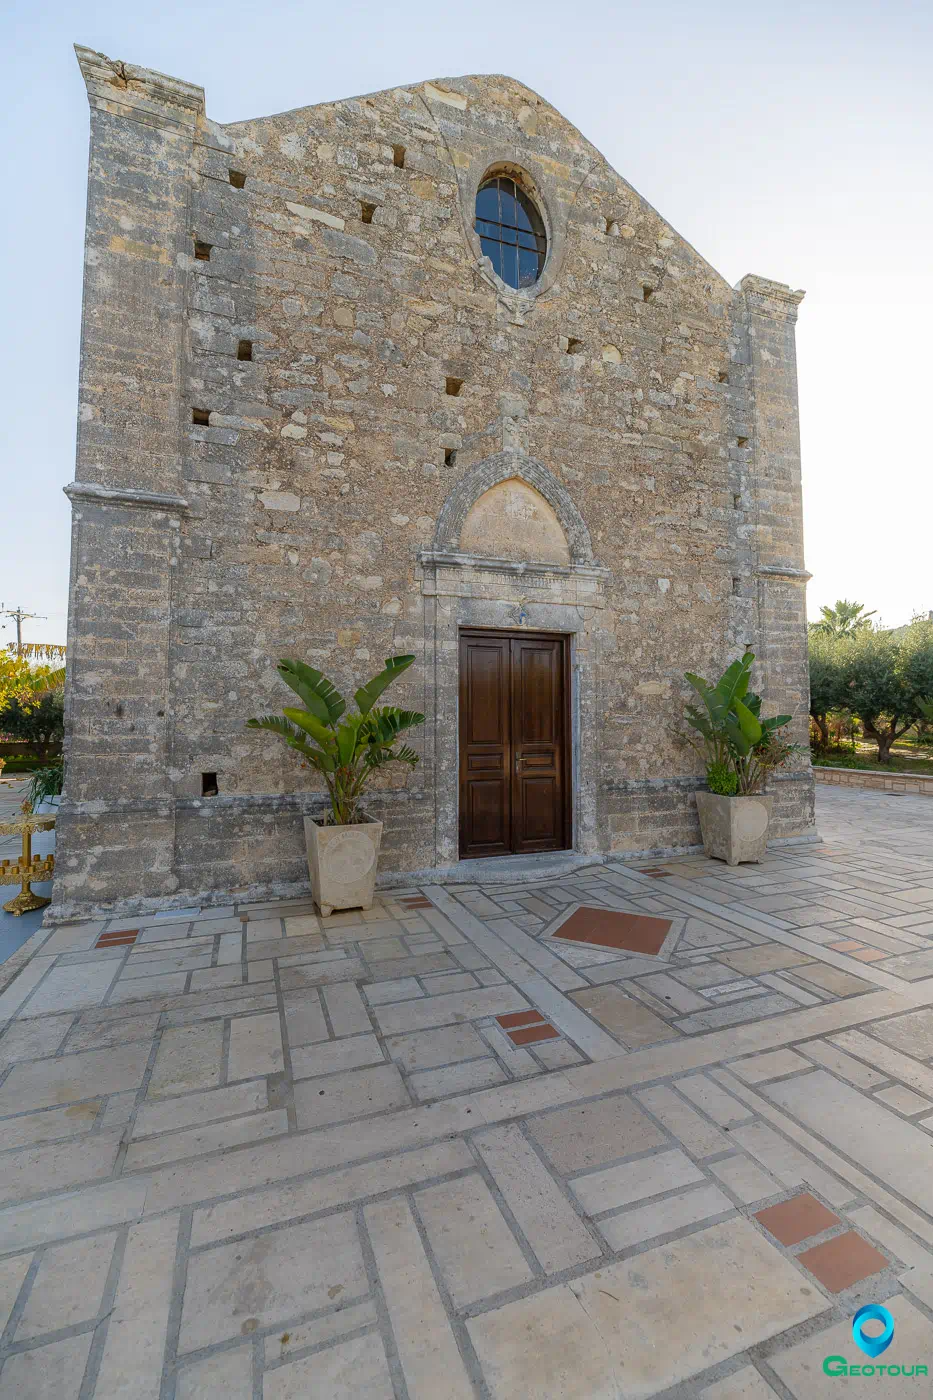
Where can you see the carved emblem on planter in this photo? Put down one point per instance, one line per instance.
(348, 856)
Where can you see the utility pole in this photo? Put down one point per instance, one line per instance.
(20, 617)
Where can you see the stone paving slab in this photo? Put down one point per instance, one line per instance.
(260, 1153)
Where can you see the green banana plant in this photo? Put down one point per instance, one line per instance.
(732, 732)
(345, 750)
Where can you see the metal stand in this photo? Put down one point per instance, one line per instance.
(28, 867)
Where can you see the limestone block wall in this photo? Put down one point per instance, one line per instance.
(918, 783)
(294, 356)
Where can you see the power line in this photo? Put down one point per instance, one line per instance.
(21, 617)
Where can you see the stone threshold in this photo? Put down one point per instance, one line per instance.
(495, 870)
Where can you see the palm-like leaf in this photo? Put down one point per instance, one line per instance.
(349, 735)
(345, 752)
(737, 739)
(728, 691)
(699, 722)
(732, 729)
(733, 684)
(294, 738)
(389, 722)
(310, 723)
(380, 754)
(702, 687)
(368, 694)
(319, 694)
(747, 721)
(275, 723)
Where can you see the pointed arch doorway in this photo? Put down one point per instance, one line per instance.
(515, 757)
(475, 580)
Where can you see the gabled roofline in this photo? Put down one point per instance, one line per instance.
(417, 90)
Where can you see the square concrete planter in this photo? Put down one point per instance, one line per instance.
(734, 828)
(342, 863)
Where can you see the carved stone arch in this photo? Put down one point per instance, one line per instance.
(504, 466)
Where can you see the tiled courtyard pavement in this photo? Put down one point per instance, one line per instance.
(253, 1153)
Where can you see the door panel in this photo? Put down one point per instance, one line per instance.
(485, 750)
(537, 739)
(514, 744)
(538, 823)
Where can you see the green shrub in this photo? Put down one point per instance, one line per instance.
(20, 763)
(729, 731)
(722, 779)
(45, 783)
(39, 721)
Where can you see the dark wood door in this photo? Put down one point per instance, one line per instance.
(514, 743)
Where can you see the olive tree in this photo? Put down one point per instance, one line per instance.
(826, 687)
(885, 680)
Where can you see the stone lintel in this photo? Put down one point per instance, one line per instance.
(775, 299)
(139, 92)
(436, 558)
(94, 494)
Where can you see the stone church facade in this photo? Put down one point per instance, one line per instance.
(329, 412)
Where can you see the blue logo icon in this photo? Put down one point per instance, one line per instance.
(873, 1346)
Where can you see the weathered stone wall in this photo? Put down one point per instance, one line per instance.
(652, 407)
(917, 783)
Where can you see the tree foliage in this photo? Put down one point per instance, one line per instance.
(26, 674)
(843, 620)
(884, 679)
(39, 721)
(826, 689)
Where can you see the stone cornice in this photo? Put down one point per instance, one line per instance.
(448, 559)
(771, 298)
(141, 93)
(94, 494)
(784, 571)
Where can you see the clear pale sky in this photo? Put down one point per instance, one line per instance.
(789, 140)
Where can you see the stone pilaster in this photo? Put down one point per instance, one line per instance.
(117, 821)
(776, 540)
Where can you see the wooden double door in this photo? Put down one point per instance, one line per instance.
(515, 790)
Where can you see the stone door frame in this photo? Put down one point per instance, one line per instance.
(562, 807)
(472, 591)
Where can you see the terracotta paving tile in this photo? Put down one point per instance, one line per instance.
(848, 945)
(870, 954)
(839, 1263)
(797, 1219)
(117, 940)
(532, 1033)
(519, 1018)
(608, 928)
